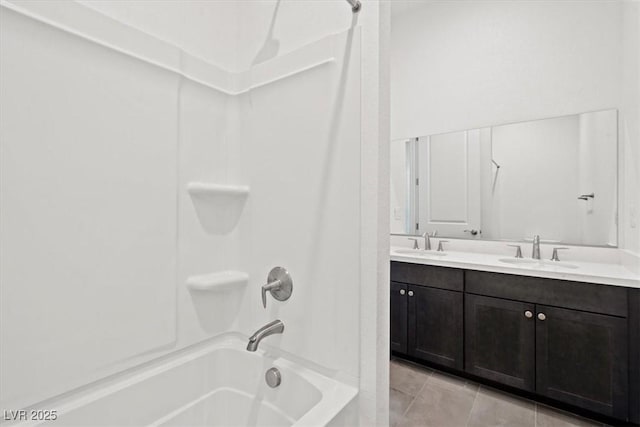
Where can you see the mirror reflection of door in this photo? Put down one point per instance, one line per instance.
(554, 177)
(448, 184)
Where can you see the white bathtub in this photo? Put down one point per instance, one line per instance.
(221, 384)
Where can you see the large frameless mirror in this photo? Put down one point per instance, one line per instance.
(556, 177)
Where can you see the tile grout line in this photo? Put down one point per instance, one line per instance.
(414, 397)
(418, 392)
(406, 410)
(536, 406)
(473, 405)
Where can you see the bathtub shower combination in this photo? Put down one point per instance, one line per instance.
(151, 200)
(217, 384)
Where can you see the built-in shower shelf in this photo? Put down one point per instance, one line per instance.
(218, 206)
(212, 190)
(218, 282)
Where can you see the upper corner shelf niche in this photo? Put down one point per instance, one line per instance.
(218, 206)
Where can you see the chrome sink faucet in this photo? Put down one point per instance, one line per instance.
(427, 239)
(535, 252)
(271, 328)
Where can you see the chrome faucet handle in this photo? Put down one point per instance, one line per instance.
(415, 243)
(440, 248)
(279, 284)
(518, 250)
(554, 257)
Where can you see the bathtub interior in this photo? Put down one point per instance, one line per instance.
(219, 385)
(227, 407)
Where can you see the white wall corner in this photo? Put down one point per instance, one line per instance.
(374, 301)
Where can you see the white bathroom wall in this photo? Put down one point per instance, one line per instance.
(212, 25)
(373, 397)
(398, 175)
(88, 212)
(465, 65)
(314, 204)
(629, 131)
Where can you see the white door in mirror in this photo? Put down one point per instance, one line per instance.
(449, 184)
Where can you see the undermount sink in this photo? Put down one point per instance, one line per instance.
(537, 262)
(418, 252)
(518, 261)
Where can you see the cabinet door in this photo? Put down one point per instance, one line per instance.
(398, 317)
(435, 325)
(582, 359)
(500, 338)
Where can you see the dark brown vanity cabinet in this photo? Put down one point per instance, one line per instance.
(500, 340)
(582, 359)
(572, 342)
(564, 340)
(571, 356)
(427, 321)
(435, 326)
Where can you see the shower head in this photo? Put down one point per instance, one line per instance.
(355, 5)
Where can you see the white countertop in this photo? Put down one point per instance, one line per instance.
(581, 271)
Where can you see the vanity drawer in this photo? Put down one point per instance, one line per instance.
(591, 297)
(425, 275)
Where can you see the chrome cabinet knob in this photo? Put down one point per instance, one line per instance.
(528, 314)
(410, 293)
(541, 316)
(402, 292)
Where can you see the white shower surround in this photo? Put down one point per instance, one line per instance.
(192, 316)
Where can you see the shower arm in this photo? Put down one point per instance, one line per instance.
(355, 5)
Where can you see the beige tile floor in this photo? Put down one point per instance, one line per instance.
(423, 397)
